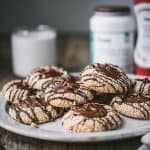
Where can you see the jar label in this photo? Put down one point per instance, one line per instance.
(112, 47)
(143, 20)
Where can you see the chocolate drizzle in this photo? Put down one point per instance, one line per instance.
(54, 82)
(135, 98)
(108, 70)
(50, 72)
(18, 84)
(31, 103)
(66, 87)
(16, 89)
(91, 110)
(143, 86)
(99, 78)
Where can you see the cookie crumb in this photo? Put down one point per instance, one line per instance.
(34, 125)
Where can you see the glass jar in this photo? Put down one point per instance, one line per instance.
(111, 36)
(33, 47)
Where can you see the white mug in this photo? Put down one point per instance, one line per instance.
(33, 48)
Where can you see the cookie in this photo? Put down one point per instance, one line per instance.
(132, 105)
(42, 78)
(105, 78)
(68, 94)
(33, 111)
(15, 90)
(142, 86)
(91, 117)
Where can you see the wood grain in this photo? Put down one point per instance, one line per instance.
(13, 141)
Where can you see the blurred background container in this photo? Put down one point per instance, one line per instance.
(33, 47)
(112, 36)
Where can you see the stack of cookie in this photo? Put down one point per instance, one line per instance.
(49, 92)
(26, 97)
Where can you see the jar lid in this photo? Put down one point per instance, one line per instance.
(39, 31)
(141, 1)
(113, 9)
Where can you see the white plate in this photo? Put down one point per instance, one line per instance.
(54, 132)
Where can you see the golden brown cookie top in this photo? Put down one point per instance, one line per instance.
(131, 98)
(67, 86)
(21, 84)
(134, 98)
(33, 110)
(106, 69)
(31, 101)
(50, 71)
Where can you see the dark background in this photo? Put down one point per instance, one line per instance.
(70, 18)
(65, 15)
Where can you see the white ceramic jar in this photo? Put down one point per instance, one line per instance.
(111, 36)
(32, 48)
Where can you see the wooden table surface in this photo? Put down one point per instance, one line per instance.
(12, 141)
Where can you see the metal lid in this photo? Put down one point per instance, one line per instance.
(141, 1)
(39, 31)
(113, 9)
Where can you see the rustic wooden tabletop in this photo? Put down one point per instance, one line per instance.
(11, 141)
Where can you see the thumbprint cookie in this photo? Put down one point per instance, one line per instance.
(91, 117)
(105, 78)
(40, 78)
(33, 110)
(133, 105)
(68, 94)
